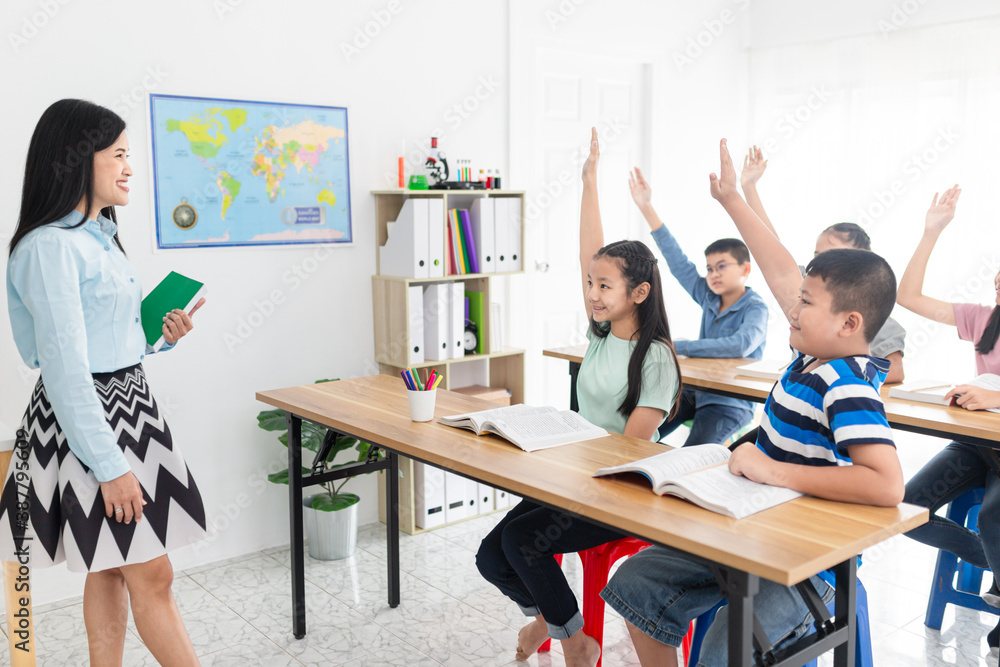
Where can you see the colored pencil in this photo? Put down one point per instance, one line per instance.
(406, 380)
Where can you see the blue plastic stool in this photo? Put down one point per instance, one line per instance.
(964, 511)
(863, 645)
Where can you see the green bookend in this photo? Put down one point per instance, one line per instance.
(476, 315)
(174, 291)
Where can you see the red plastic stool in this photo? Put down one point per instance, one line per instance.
(597, 563)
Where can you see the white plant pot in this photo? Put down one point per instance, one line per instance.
(331, 535)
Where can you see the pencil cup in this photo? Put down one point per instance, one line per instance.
(421, 404)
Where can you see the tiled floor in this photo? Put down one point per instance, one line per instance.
(238, 612)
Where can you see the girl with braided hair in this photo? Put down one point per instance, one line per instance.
(629, 382)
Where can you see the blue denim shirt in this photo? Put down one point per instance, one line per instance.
(74, 303)
(740, 331)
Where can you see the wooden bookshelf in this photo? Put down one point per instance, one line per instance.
(503, 368)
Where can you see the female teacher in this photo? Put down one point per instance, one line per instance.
(95, 479)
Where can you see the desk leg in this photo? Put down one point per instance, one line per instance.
(846, 610)
(392, 526)
(295, 525)
(742, 587)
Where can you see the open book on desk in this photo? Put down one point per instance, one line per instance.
(700, 474)
(527, 427)
(936, 392)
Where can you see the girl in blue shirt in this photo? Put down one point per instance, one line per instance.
(95, 480)
(629, 381)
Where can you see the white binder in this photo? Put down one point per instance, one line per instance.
(405, 252)
(471, 497)
(501, 234)
(437, 321)
(484, 499)
(484, 234)
(457, 320)
(501, 499)
(514, 234)
(415, 314)
(435, 238)
(455, 507)
(428, 495)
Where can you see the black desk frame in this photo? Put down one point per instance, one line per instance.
(297, 481)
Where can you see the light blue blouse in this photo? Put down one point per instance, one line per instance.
(74, 303)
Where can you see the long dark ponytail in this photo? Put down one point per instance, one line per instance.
(638, 265)
(59, 172)
(990, 334)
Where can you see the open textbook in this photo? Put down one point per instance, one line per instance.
(936, 391)
(527, 427)
(700, 474)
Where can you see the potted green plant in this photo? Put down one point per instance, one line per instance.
(330, 517)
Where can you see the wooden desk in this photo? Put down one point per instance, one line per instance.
(786, 544)
(719, 376)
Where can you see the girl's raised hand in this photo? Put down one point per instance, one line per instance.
(590, 166)
(754, 165)
(642, 194)
(942, 210)
(723, 186)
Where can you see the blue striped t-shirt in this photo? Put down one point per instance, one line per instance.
(812, 418)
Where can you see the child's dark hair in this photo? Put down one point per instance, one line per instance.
(59, 172)
(638, 266)
(990, 334)
(851, 234)
(857, 280)
(738, 249)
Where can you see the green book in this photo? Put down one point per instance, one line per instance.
(476, 315)
(174, 291)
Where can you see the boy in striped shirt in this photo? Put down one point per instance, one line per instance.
(824, 433)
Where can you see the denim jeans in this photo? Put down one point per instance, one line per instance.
(712, 422)
(661, 590)
(956, 469)
(518, 558)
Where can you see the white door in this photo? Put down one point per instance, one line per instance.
(565, 93)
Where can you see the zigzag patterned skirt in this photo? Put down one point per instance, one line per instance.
(51, 507)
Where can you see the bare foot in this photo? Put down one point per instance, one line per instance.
(581, 650)
(531, 637)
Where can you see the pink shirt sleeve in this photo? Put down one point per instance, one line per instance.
(971, 319)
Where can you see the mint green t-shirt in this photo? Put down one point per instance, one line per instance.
(603, 380)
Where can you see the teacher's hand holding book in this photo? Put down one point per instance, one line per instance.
(177, 323)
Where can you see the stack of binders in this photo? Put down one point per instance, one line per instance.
(486, 238)
(415, 247)
(443, 320)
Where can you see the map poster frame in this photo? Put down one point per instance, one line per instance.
(282, 148)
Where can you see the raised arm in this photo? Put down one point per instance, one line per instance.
(775, 262)
(754, 165)
(682, 268)
(910, 294)
(591, 231)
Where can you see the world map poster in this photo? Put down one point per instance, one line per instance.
(237, 173)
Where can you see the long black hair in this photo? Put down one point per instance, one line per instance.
(638, 266)
(59, 172)
(990, 334)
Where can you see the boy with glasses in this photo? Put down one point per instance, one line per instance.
(733, 322)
